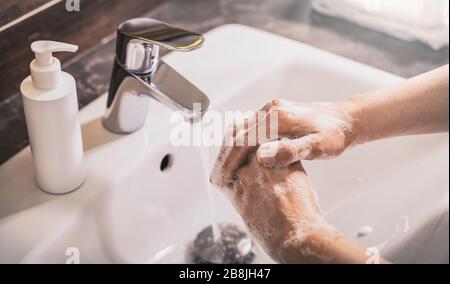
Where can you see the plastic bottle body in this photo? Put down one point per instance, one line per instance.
(55, 134)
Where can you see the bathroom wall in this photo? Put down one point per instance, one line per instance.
(23, 21)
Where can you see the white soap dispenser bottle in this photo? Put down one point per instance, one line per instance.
(51, 110)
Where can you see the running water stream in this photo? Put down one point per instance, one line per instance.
(219, 243)
(206, 162)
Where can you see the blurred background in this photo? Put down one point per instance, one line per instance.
(405, 37)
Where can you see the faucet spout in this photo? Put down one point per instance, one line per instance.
(176, 92)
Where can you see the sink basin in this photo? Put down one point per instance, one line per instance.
(145, 200)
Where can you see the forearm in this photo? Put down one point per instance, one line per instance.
(418, 106)
(326, 245)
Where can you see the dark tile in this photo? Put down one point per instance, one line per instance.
(13, 131)
(96, 20)
(11, 10)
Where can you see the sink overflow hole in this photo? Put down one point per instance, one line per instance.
(166, 163)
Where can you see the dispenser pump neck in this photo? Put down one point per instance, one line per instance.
(45, 69)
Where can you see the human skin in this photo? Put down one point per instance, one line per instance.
(324, 130)
(319, 131)
(281, 210)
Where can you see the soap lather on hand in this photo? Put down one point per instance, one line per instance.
(281, 210)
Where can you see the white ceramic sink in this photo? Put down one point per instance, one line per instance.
(128, 211)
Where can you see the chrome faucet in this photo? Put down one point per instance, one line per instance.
(139, 75)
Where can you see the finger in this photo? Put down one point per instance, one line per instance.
(236, 149)
(233, 153)
(285, 152)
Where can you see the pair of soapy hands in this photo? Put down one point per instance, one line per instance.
(267, 183)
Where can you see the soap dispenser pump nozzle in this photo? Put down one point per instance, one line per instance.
(43, 50)
(46, 69)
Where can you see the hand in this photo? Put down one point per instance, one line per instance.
(308, 130)
(280, 207)
(314, 131)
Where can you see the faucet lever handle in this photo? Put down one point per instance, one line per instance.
(161, 34)
(139, 39)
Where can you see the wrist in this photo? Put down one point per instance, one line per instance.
(309, 245)
(355, 134)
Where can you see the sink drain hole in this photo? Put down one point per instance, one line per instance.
(166, 163)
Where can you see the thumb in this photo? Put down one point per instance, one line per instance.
(285, 152)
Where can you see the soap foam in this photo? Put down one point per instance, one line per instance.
(268, 150)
